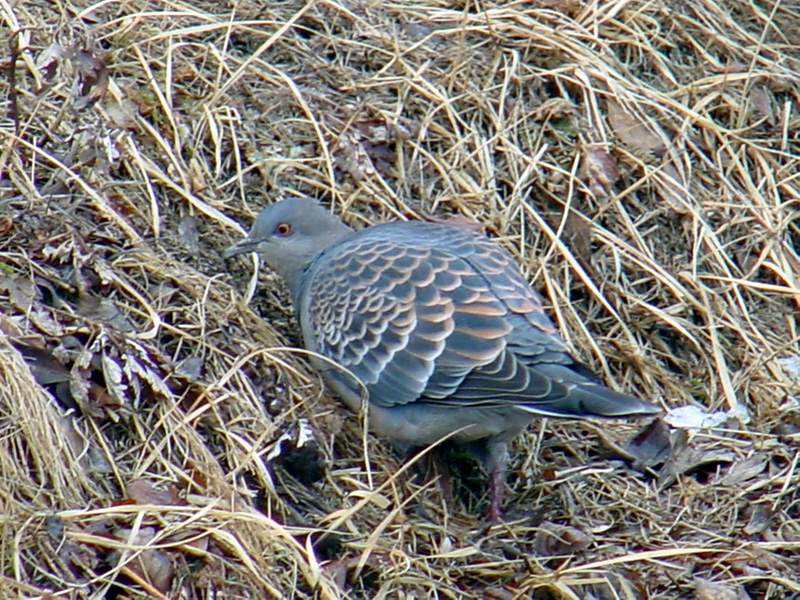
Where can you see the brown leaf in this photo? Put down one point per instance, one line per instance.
(144, 491)
(91, 456)
(686, 459)
(49, 60)
(135, 368)
(6, 225)
(122, 114)
(44, 366)
(652, 445)
(381, 130)
(352, 157)
(554, 109)
(338, 570)
(369, 147)
(599, 171)
(104, 402)
(557, 540)
(578, 232)
(21, 291)
(761, 103)
(760, 519)
(631, 131)
(103, 310)
(745, 470)
(709, 590)
(190, 367)
(113, 377)
(507, 592)
(81, 389)
(567, 7)
(91, 83)
(11, 329)
(150, 567)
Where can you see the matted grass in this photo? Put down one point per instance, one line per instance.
(161, 437)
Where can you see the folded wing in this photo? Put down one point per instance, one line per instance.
(431, 313)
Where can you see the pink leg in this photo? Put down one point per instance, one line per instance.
(497, 481)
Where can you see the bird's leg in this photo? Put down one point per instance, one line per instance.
(497, 481)
(497, 460)
(432, 464)
(442, 469)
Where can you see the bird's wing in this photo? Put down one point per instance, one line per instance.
(437, 314)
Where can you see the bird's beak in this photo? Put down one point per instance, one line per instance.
(241, 247)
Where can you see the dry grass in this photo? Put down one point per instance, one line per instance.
(642, 161)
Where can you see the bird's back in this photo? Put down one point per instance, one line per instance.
(438, 314)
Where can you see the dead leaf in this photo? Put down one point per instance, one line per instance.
(122, 114)
(150, 567)
(790, 365)
(599, 171)
(554, 109)
(103, 310)
(709, 590)
(369, 147)
(91, 81)
(578, 232)
(191, 368)
(80, 387)
(507, 592)
(189, 234)
(730, 67)
(745, 470)
(338, 570)
(761, 103)
(632, 131)
(134, 368)
(11, 329)
(54, 526)
(686, 459)
(553, 539)
(144, 491)
(6, 225)
(21, 291)
(567, 7)
(378, 131)
(91, 456)
(49, 60)
(45, 367)
(113, 377)
(352, 157)
(652, 445)
(760, 519)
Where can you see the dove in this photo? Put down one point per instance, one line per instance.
(434, 326)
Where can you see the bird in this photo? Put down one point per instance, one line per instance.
(434, 326)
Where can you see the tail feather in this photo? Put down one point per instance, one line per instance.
(586, 400)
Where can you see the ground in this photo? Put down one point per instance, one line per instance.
(161, 436)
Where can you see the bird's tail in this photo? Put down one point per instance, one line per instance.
(589, 400)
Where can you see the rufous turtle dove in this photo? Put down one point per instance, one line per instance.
(438, 324)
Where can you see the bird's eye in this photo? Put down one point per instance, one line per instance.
(283, 229)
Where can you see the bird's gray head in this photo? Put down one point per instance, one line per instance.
(289, 234)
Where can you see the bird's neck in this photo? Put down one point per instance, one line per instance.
(294, 271)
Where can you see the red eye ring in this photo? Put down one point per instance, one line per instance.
(283, 229)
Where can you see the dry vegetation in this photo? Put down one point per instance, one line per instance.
(159, 436)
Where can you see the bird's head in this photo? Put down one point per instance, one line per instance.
(289, 235)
